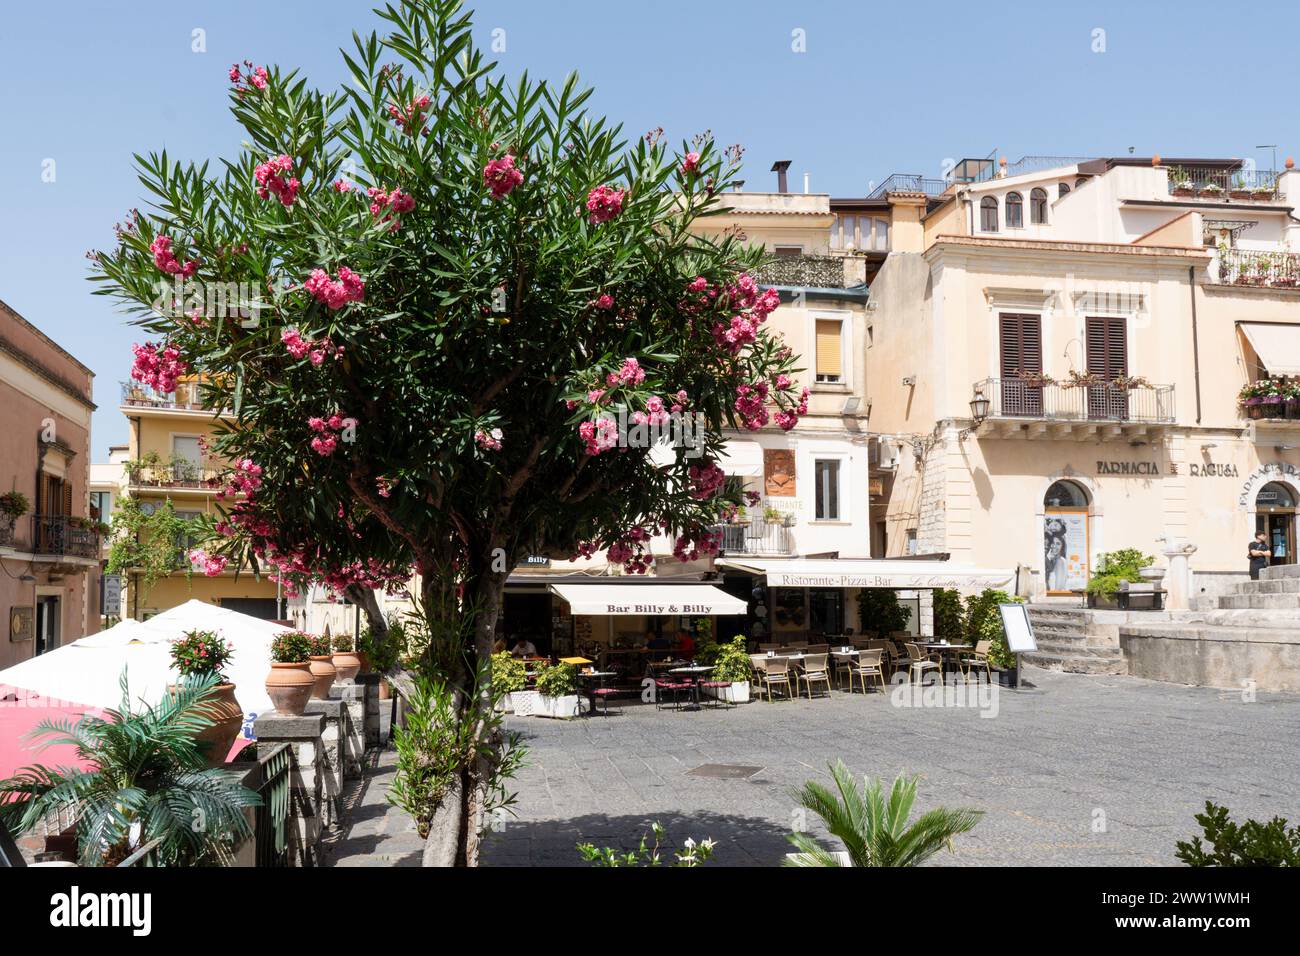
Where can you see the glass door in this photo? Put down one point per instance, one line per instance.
(1280, 529)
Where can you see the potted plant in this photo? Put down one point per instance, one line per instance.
(1212, 191)
(197, 655)
(1241, 189)
(1182, 184)
(731, 663)
(1251, 398)
(345, 658)
(13, 505)
(321, 666)
(509, 678)
(1262, 193)
(1114, 567)
(290, 683)
(984, 623)
(557, 690)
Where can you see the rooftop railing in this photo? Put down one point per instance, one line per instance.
(909, 183)
(1215, 182)
(1274, 270)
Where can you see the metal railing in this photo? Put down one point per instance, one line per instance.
(755, 536)
(172, 476)
(62, 535)
(1106, 402)
(1279, 270)
(909, 183)
(806, 271)
(271, 816)
(186, 396)
(1215, 182)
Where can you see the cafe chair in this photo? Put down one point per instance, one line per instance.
(979, 657)
(776, 674)
(717, 686)
(867, 665)
(919, 662)
(604, 695)
(663, 685)
(813, 671)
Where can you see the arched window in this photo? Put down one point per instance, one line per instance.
(1065, 494)
(1015, 211)
(1080, 181)
(1038, 207)
(989, 214)
(1274, 496)
(1061, 190)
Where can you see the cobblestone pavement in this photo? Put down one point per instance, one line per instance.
(1078, 770)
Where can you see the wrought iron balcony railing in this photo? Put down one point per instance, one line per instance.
(755, 536)
(1102, 402)
(1275, 270)
(909, 183)
(1215, 182)
(805, 271)
(62, 535)
(186, 396)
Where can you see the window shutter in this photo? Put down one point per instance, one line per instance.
(1021, 343)
(828, 349)
(1107, 347)
(67, 498)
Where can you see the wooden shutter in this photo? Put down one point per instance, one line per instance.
(67, 499)
(829, 350)
(1108, 359)
(1020, 346)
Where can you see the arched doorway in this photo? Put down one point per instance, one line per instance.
(1065, 537)
(1275, 515)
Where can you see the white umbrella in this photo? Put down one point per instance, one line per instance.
(86, 671)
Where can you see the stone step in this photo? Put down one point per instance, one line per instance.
(1065, 649)
(1259, 602)
(1280, 571)
(1076, 665)
(1280, 586)
(1244, 617)
(1212, 631)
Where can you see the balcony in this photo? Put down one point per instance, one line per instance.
(1269, 270)
(182, 476)
(756, 536)
(54, 536)
(1024, 408)
(1218, 183)
(909, 183)
(812, 272)
(184, 398)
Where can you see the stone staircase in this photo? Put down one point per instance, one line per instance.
(1077, 640)
(1251, 633)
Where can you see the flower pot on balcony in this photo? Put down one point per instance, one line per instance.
(1254, 407)
(1273, 407)
(323, 673)
(1184, 191)
(1292, 409)
(1242, 194)
(227, 721)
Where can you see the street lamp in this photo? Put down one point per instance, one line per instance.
(979, 406)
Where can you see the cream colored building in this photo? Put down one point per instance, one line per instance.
(1055, 372)
(166, 460)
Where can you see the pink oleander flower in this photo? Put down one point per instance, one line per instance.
(259, 77)
(158, 368)
(384, 487)
(690, 163)
(604, 203)
(270, 177)
(595, 395)
(599, 436)
(783, 382)
(234, 73)
(349, 287)
(631, 373)
(165, 259)
(501, 177)
(787, 420)
(295, 343)
(706, 480)
(488, 441)
(342, 186)
(606, 301)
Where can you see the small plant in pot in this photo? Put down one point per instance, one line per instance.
(1113, 568)
(290, 683)
(345, 658)
(198, 656)
(731, 664)
(13, 505)
(557, 686)
(322, 666)
(509, 677)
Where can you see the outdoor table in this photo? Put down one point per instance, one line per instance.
(945, 649)
(697, 671)
(586, 676)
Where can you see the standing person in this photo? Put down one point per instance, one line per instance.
(1257, 552)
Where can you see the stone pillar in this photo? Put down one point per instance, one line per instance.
(352, 740)
(306, 780)
(1178, 580)
(927, 612)
(331, 758)
(370, 725)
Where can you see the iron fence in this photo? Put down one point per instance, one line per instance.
(755, 536)
(1100, 402)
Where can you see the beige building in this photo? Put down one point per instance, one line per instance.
(1055, 368)
(167, 460)
(49, 553)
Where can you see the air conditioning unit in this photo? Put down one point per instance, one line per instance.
(883, 454)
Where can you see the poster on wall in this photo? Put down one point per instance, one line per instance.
(1065, 551)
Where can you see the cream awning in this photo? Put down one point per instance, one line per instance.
(743, 459)
(1278, 346)
(653, 599)
(871, 573)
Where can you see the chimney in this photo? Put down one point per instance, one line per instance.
(738, 186)
(780, 167)
(807, 183)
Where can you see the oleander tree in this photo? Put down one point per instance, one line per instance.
(428, 299)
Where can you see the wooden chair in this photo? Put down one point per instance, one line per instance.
(812, 670)
(868, 665)
(919, 662)
(972, 659)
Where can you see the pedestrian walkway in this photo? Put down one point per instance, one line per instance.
(374, 832)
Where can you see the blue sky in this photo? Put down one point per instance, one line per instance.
(881, 88)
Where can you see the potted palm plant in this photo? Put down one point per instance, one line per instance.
(874, 828)
(290, 683)
(322, 667)
(198, 655)
(142, 778)
(345, 658)
(13, 505)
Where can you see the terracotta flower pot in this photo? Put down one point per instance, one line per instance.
(227, 721)
(348, 665)
(385, 691)
(289, 686)
(324, 672)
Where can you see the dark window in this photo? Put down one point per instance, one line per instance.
(1038, 207)
(1015, 211)
(1020, 341)
(1061, 190)
(826, 610)
(1080, 181)
(827, 486)
(988, 214)
(1065, 494)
